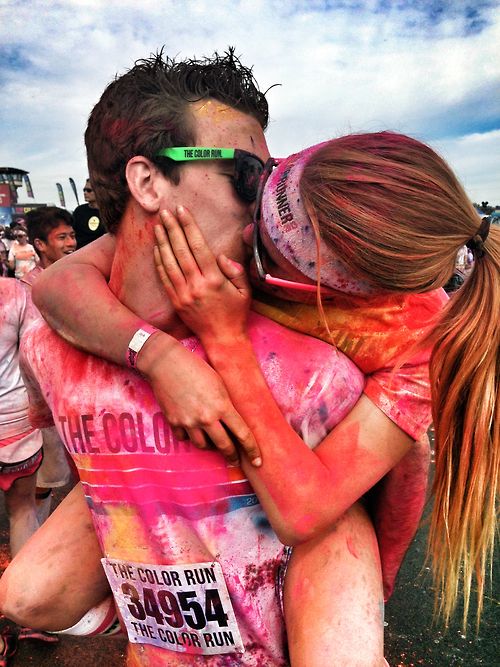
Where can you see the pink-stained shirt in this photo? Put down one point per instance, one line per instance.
(25, 258)
(159, 502)
(18, 441)
(381, 334)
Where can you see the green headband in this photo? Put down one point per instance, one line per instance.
(184, 153)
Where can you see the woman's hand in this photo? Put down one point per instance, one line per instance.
(211, 296)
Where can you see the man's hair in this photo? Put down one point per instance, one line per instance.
(41, 221)
(147, 109)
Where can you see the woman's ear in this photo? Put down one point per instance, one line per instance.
(143, 180)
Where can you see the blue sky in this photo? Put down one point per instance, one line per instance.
(428, 68)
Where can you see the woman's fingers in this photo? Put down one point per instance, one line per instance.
(236, 273)
(179, 244)
(203, 255)
(166, 263)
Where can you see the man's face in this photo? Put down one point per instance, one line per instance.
(60, 242)
(206, 187)
(88, 194)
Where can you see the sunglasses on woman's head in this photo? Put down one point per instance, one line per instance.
(247, 166)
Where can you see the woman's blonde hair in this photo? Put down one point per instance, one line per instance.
(396, 213)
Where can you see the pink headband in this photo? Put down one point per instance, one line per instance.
(288, 226)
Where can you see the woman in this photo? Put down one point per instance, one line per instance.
(22, 255)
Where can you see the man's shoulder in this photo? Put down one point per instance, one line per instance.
(13, 296)
(38, 337)
(30, 277)
(10, 288)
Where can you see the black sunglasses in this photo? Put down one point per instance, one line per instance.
(247, 166)
(88, 190)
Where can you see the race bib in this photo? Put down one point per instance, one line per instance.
(183, 608)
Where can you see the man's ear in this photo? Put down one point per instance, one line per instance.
(39, 245)
(144, 182)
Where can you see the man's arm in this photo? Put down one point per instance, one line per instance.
(57, 576)
(73, 296)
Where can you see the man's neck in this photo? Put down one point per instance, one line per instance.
(134, 279)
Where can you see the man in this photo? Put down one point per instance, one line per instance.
(50, 231)
(86, 220)
(189, 552)
(22, 255)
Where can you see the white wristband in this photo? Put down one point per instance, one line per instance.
(137, 343)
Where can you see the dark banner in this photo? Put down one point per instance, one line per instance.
(29, 189)
(72, 183)
(61, 194)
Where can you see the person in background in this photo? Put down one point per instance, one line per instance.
(50, 231)
(4, 264)
(22, 255)
(8, 237)
(20, 444)
(86, 219)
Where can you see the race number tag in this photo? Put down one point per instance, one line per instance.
(182, 608)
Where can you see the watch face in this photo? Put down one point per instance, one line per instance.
(93, 223)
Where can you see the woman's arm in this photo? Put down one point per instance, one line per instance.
(302, 491)
(57, 576)
(73, 296)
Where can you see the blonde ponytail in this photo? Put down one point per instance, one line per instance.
(465, 377)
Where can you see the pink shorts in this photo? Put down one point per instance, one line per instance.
(9, 472)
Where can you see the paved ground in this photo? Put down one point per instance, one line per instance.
(411, 639)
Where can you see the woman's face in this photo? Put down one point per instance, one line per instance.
(21, 237)
(277, 266)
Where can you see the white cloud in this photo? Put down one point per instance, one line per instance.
(348, 69)
(474, 159)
